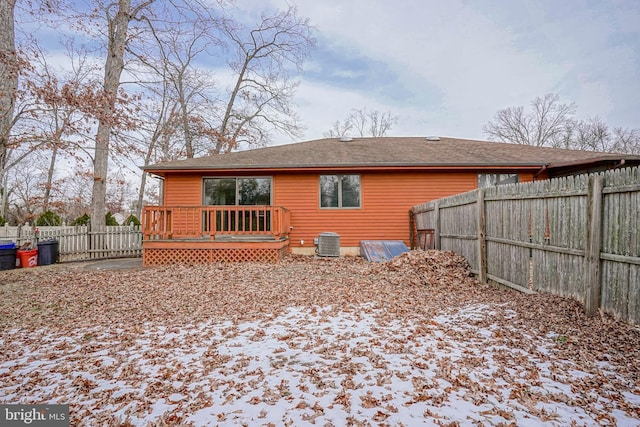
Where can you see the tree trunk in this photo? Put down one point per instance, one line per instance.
(47, 188)
(143, 186)
(5, 195)
(224, 127)
(143, 179)
(188, 137)
(114, 65)
(8, 80)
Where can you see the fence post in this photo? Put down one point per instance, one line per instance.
(482, 241)
(436, 226)
(412, 230)
(592, 248)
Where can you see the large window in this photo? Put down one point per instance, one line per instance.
(493, 179)
(237, 191)
(339, 191)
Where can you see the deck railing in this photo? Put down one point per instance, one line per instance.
(176, 222)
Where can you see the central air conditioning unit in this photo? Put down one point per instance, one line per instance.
(329, 244)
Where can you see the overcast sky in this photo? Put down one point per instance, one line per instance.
(446, 67)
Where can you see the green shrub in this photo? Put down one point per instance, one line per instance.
(110, 220)
(49, 218)
(82, 220)
(86, 219)
(2, 221)
(131, 220)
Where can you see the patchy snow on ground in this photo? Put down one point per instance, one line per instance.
(310, 341)
(352, 365)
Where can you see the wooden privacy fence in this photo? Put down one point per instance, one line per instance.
(575, 236)
(77, 243)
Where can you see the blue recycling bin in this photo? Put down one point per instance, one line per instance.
(8, 256)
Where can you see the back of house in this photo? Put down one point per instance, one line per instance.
(259, 204)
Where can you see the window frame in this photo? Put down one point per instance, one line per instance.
(237, 192)
(340, 192)
(500, 178)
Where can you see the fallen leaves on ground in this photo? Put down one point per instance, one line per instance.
(415, 340)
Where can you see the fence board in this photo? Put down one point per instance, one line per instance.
(633, 309)
(537, 235)
(458, 227)
(593, 229)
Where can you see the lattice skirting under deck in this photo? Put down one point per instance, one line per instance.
(154, 257)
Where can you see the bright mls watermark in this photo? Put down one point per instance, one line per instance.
(34, 415)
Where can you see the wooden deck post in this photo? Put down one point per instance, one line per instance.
(482, 241)
(592, 248)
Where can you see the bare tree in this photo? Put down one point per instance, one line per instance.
(8, 79)
(381, 123)
(118, 17)
(360, 120)
(545, 125)
(12, 65)
(156, 131)
(8, 72)
(191, 108)
(24, 131)
(626, 140)
(186, 90)
(25, 192)
(72, 194)
(551, 124)
(262, 95)
(339, 129)
(591, 134)
(179, 76)
(57, 120)
(177, 94)
(190, 111)
(595, 135)
(367, 123)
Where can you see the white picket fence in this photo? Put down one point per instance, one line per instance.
(77, 243)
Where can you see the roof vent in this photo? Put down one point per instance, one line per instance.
(346, 139)
(433, 138)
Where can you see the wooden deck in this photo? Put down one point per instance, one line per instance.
(208, 234)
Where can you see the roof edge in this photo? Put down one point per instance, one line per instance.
(622, 158)
(377, 167)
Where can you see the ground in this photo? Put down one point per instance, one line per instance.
(330, 342)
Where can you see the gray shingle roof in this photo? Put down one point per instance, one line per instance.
(387, 152)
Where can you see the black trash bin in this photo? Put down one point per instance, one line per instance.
(47, 252)
(8, 257)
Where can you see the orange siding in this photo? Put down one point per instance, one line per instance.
(525, 176)
(182, 190)
(386, 200)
